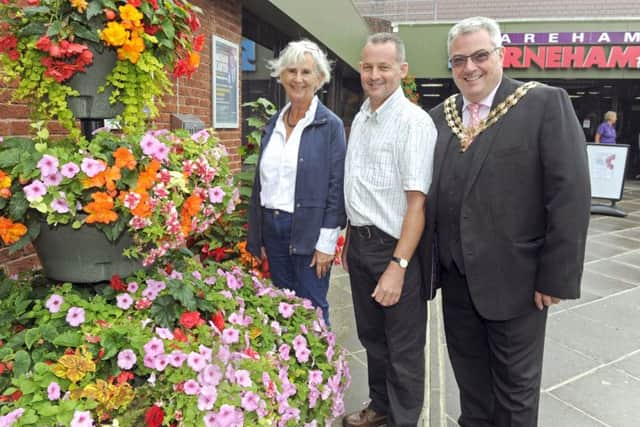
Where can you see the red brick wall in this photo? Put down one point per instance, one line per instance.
(191, 96)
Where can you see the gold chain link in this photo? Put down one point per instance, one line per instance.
(466, 135)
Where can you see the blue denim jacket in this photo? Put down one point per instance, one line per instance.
(319, 195)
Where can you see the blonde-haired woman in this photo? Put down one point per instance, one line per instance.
(606, 133)
(297, 204)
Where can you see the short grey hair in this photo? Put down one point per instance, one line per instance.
(472, 25)
(294, 54)
(381, 38)
(610, 115)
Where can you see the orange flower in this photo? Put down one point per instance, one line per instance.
(131, 49)
(111, 175)
(5, 181)
(192, 205)
(114, 34)
(143, 209)
(11, 232)
(124, 158)
(147, 178)
(101, 209)
(79, 5)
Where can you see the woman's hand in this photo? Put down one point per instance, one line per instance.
(322, 262)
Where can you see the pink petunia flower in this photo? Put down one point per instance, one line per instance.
(250, 401)
(196, 361)
(284, 352)
(207, 398)
(51, 180)
(48, 165)
(126, 359)
(242, 377)
(216, 194)
(53, 391)
(60, 205)
(35, 190)
(75, 316)
(299, 342)
(302, 355)
(82, 419)
(177, 358)
(92, 167)
(124, 301)
(54, 303)
(132, 287)
(164, 333)
(69, 170)
(154, 346)
(191, 387)
(286, 310)
(230, 336)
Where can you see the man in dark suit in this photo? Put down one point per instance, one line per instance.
(509, 210)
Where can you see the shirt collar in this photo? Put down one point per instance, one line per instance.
(486, 102)
(385, 108)
(306, 120)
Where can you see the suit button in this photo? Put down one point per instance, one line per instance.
(293, 250)
(301, 160)
(297, 205)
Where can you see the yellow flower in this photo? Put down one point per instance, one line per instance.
(74, 366)
(109, 396)
(79, 5)
(5, 181)
(114, 34)
(130, 13)
(132, 49)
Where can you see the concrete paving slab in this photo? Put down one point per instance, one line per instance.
(616, 270)
(631, 258)
(590, 337)
(617, 240)
(600, 250)
(632, 233)
(620, 312)
(562, 363)
(556, 413)
(630, 365)
(597, 284)
(607, 394)
(343, 324)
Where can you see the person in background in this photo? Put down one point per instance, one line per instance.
(387, 175)
(606, 133)
(507, 216)
(297, 204)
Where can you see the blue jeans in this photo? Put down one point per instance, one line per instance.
(292, 271)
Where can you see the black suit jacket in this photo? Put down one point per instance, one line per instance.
(526, 204)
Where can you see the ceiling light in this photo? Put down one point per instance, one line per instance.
(579, 93)
(431, 95)
(594, 92)
(432, 85)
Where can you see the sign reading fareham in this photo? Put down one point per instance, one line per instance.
(572, 50)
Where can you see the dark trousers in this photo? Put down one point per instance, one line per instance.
(292, 271)
(497, 364)
(394, 337)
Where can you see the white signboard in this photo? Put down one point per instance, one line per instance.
(607, 164)
(225, 83)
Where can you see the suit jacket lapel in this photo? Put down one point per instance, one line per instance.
(507, 86)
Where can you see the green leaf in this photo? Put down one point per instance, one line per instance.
(164, 310)
(68, 339)
(54, 29)
(21, 364)
(31, 337)
(32, 29)
(10, 157)
(36, 10)
(49, 332)
(94, 9)
(85, 33)
(183, 294)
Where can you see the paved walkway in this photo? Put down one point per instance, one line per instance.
(591, 375)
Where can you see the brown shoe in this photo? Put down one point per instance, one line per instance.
(364, 418)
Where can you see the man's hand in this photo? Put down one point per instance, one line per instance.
(543, 300)
(389, 287)
(322, 262)
(263, 254)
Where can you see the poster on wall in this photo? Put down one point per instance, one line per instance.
(607, 164)
(225, 83)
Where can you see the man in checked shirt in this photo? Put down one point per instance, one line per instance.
(387, 175)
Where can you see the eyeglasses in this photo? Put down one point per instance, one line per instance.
(479, 57)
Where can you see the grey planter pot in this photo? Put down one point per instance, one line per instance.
(83, 255)
(91, 104)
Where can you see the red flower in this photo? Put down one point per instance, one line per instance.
(124, 376)
(198, 43)
(2, 368)
(117, 284)
(252, 353)
(134, 3)
(151, 29)
(218, 320)
(143, 304)
(154, 416)
(168, 268)
(191, 319)
(154, 4)
(193, 21)
(178, 335)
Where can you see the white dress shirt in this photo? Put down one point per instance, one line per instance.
(390, 151)
(278, 169)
